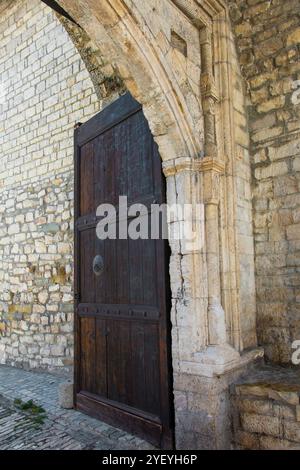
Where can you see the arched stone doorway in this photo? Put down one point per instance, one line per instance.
(177, 60)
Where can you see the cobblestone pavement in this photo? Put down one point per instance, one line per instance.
(61, 429)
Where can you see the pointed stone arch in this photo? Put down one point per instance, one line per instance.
(126, 41)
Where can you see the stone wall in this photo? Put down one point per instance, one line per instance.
(268, 42)
(45, 89)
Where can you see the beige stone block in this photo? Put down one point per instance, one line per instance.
(291, 431)
(275, 169)
(269, 47)
(259, 390)
(260, 424)
(298, 413)
(294, 37)
(286, 184)
(257, 9)
(243, 29)
(260, 95)
(267, 121)
(284, 411)
(293, 126)
(252, 405)
(241, 137)
(259, 80)
(296, 163)
(43, 296)
(293, 232)
(266, 134)
(284, 395)
(273, 443)
(274, 103)
(287, 150)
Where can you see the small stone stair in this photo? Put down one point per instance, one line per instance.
(266, 410)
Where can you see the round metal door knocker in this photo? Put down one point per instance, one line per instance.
(98, 265)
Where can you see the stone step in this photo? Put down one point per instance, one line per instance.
(266, 413)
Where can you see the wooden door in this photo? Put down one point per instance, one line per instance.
(122, 343)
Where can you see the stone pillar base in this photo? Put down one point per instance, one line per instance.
(202, 397)
(65, 394)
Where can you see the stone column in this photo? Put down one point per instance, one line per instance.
(198, 318)
(199, 349)
(218, 353)
(188, 260)
(216, 315)
(219, 356)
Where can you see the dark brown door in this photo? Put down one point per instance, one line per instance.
(122, 371)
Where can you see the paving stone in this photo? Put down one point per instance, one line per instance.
(61, 430)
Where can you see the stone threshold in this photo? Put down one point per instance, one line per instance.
(266, 409)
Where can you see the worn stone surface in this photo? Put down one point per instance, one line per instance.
(191, 89)
(267, 40)
(62, 429)
(47, 89)
(66, 394)
(265, 409)
(209, 117)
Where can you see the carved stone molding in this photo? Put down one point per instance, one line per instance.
(132, 50)
(200, 12)
(201, 165)
(5, 4)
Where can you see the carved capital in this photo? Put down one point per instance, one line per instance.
(212, 169)
(200, 165)
(212, 164)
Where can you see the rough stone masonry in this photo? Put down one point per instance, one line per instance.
(268, 39)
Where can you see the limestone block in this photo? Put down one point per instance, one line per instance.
(293, 37)
(271, 104)
(292, 431)
(257, 9)
(252, 405)
(271, 443)
(247, 440)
